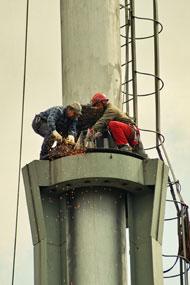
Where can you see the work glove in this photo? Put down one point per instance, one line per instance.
(57, 136)
(97, 135)
(90, 134)
(70, 139)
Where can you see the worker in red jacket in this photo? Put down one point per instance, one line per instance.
(124, 131)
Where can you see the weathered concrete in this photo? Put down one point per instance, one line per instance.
(145, 221)
(90, 49)
(78, 218)
(78, 230)
(77, 205)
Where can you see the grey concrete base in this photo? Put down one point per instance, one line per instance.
(78, 215)
(145, 249)
(97, 237)
(85, 241)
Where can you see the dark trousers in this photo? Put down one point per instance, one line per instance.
(40, 126)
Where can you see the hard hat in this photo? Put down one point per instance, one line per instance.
(76, 106)
(99, 97)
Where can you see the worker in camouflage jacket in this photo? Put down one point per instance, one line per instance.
(57, 123)
(122, 128)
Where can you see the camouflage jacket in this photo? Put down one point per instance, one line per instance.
(57, 120)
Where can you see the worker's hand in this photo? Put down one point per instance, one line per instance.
(57, 136)
(97, 135)
(90, 134)
(70, 139)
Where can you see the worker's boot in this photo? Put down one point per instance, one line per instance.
(46, 147)
(44, 156)
(125, 147)
(139, 149)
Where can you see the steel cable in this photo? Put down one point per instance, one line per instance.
(21, 142)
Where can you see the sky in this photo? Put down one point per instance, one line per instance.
(43, 89)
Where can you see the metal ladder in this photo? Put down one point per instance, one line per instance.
(130, 96)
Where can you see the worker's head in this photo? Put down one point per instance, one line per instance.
(74, 110)
(99, 101)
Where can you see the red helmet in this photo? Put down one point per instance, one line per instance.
(99, 97)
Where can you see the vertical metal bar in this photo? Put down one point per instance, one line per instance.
(127, 23)
(156, 68)
(21, 141)
(186, 273)
(172, 172)
(184, 244)
(181, 271)
(133, 52)
(183, 267)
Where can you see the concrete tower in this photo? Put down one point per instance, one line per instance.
(79, 206)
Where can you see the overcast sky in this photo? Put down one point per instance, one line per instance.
(43, 89)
